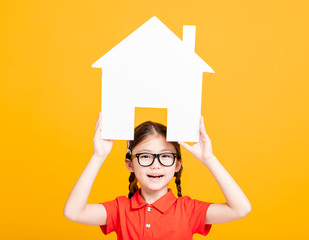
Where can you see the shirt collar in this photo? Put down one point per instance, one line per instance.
(162, 204)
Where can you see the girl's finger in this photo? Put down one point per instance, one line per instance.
(204, 131)
(185, 145)
(100, 120)
(202, 127)
(96, 125)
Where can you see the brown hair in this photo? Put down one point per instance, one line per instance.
(140, 133)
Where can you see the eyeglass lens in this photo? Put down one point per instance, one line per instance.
(146, 159)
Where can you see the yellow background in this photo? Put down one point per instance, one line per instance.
(255, 108)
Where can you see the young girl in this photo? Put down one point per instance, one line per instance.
(152, 211)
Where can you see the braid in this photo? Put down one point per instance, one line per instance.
(178, 182)
(133, 185)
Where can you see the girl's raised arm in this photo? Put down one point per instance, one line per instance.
(76, 207)
(237, 204)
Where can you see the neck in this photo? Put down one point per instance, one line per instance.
(152, 196)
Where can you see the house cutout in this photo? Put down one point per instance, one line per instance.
(151, 68)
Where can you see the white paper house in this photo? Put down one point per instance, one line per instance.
(152, 67)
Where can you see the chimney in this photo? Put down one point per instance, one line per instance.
(188, 37)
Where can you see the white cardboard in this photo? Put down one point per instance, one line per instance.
(152, 67)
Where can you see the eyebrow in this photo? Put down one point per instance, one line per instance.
(164, 150)
(145, 150)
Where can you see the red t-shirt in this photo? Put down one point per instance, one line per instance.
(167, 218)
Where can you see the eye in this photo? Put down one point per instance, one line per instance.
(167, 155)
(145, 156)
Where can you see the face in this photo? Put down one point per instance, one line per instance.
(155, 177)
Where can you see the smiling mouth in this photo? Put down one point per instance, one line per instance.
(155, 176)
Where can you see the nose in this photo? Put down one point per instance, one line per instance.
(156, 163)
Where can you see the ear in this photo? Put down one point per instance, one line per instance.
(129, 165)
(178, 165)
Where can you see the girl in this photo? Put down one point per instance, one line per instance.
(152, 211)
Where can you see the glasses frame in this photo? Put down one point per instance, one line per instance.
(155, 155)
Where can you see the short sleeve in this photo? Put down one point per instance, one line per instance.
(111, 208)
(196, 212)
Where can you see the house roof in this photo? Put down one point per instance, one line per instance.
(154, 43)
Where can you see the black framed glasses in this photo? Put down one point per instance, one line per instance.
(166, 159)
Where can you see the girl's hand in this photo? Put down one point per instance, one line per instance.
(101, 147)
(202, 150)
